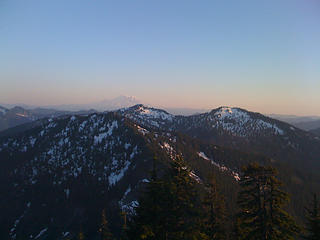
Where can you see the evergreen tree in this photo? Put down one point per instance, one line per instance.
(261, 205)
(104, 229)
(215, 212)
(169, 207)
(150, 219)
(185, 219)
(313, 218)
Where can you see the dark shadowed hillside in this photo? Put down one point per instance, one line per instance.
(58, 174)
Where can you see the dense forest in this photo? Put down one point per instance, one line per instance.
(178, 206)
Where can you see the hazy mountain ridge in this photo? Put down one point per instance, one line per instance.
(293, 119)
(15, 116)
(310, 125)
(307, 123)
(18, 115)
(104, 105)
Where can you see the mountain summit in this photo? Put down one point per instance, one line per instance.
(236, 128)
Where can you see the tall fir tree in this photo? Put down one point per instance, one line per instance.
(169, 207)
(185, 221)
(215, 212)
(261, 202)
(150, 219)
(313, 220)
(105, 233)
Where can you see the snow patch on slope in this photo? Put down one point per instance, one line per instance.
(203, 155)
(220, 167)
(41, 233)
(227, 112)
(153, 113)
(147, 116)
(142, 130)
(98, 139)
(116, 176)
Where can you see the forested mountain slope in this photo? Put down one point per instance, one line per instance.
(58, 174)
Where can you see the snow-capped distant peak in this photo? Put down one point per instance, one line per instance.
(115, 103)
(124, 101)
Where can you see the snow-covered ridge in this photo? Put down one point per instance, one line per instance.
(147, 116)
(153, 113)
(240, 122)
(149, 112)
(235, 121)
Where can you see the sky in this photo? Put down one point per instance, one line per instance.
(260, 55)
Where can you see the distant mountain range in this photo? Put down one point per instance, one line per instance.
(104, 105)
(303, 122)
(12, 115)
(57, 173)
(307, 123)
(293, 119)
(17, 115)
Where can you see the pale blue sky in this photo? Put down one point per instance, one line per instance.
(260, 55)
